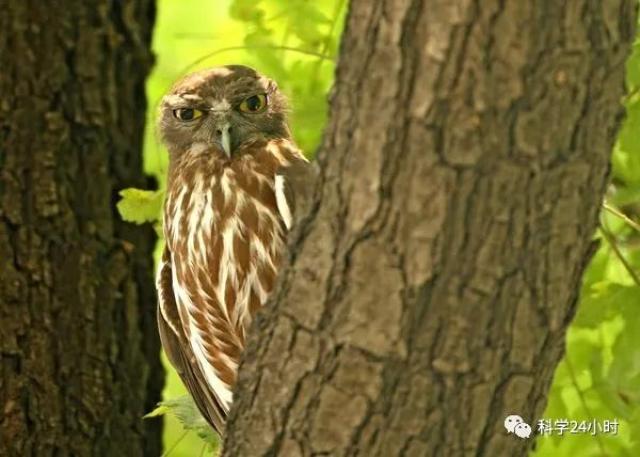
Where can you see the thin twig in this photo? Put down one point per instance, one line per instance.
(613, 210)
(614, 245)
(175, 445)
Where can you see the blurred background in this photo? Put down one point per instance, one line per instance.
(296, 43)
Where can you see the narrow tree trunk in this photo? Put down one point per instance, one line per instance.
(78, 346)
(432, 285)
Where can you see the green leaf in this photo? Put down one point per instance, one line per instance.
(140, 206)
(160, 410)
(624, 372)
(601, 302)
(185, 410)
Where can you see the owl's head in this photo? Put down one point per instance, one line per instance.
(220, 109)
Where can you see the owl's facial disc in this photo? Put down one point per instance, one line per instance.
(221, 109)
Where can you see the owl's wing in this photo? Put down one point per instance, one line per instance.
(294, 187)
(179, 352)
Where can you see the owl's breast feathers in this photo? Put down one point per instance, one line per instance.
(225, 228)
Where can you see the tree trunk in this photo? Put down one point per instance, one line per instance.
(429, 291)
(79, 350)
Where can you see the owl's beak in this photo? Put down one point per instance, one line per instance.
(224, 137)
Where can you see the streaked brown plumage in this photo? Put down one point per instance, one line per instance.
(226, 215)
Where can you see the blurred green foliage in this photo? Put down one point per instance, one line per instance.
(295, 42)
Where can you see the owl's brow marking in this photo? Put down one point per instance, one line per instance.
(172, 99)
(191, 97)
(175, 99)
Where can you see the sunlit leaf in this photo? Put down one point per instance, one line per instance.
(140, 206)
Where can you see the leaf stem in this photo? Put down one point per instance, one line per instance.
(175, 445)
(613, 210)
(614, 245)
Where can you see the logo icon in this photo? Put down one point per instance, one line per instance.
(511, 421)
(522, 430)
(516, 425)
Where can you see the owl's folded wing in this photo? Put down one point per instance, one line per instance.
(179, 350)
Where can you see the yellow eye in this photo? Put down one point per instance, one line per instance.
(187, 114)
(254, 104)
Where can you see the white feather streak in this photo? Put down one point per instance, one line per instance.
(281, 201)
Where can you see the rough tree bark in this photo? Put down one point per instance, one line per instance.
(430, 288)
(79, 361)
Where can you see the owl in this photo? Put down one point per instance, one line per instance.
(233, 177)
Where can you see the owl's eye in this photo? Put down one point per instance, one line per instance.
(254, 104)
(187, 114)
